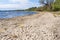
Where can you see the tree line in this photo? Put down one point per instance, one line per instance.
(49, 5)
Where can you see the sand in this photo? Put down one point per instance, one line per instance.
(40, 26)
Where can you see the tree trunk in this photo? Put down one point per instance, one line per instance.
(48, 6)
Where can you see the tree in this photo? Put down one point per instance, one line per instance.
(32, 9)
(47, 3)
(57, 5)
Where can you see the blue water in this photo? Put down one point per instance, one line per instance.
(11, 14)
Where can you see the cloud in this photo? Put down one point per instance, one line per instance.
(20, 1)
(17, 4)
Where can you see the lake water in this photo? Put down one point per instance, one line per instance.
(11, 14)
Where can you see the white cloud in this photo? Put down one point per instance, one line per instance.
(21, 1)
(17, 4)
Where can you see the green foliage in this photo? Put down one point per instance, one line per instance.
(52, 7)
(56, 5)
(32, 9)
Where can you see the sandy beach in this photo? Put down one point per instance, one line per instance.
(40, 26)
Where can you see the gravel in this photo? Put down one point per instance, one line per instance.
(41, 26)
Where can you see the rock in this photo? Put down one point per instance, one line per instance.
(41, 26)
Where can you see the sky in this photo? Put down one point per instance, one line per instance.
(18, 4)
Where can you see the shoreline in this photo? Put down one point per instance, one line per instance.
(37, 26)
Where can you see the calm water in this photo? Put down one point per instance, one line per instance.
(11, 14)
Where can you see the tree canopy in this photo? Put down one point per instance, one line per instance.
(47, 1)
(57, 5)
(49, 5)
